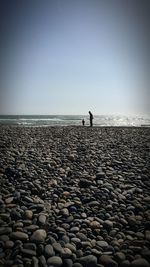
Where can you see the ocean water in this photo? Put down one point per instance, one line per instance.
(73, 120)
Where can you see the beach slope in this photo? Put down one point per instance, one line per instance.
(73, 195)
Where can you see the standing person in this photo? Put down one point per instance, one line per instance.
(91, 118)
(83, 122)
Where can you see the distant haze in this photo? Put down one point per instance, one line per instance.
(72, 56)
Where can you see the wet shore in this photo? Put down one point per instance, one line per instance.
(74, 196)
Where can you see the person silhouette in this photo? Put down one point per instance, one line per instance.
(91, 118)
(83, 122)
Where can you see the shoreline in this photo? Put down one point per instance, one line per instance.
(75, 126)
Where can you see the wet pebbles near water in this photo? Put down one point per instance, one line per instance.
(74, 197)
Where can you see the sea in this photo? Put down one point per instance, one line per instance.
(73, 120)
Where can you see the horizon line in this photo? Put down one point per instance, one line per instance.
(67, 114)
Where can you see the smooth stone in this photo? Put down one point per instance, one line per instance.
(96, 252)
(81, 236)
(55, 261)
(68, 204)
(100, 175)
(102, 244)
(119, 257)
(147, 235)
(5, 230)
(40, 249)
(9, 244)
(38, 236)
(27, 222)
(31, 246)
(95, 224)
(66, 253)
(71, 247)
(28, 214)
(38, 207)
(107, 261)
(79, 253)
(83, 215)
(19, 236)
(74, 229)
(62, 230)
(67, 262)
(88, 261)
(65, 238)
(4, 238)
(42, 261)
(18, 225)
(42, 219)
(75, 240)
(84, 183)
(86, 244)
(132, 221)
(35, 262)
(146, 253)
(9, 200)
(57, 247)
(71, 157)
(108, 224)
(28, 252)
(5, 216)
(125, 263)
(49, 251)
(28, 199)
(31, 227)
(140, 263)
(65, 212)
(51, 239)
(93, 203)
(69, 219)
(72, 209)
(15, 215)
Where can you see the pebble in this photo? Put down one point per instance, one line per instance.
(108, 224)
(54, 261)
(71, 247)
(107, 261)
(42, 261)
(19, 236)
(9, 244)
(66, 253)
(49, 251)
(28, 252)
(28, 214)
(140, 263)
(9, 200)
(67, 262)
(74, 196)
(5, 230)
(102, 244)
(95, 224)
(38, 236)
(147, 235)
(31, 246)
(42, 219)
(88, 261)
(57, 247)
(120, 257)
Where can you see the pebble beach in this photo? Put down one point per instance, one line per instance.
(74, 196)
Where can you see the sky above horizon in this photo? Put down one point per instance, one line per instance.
(69, 57)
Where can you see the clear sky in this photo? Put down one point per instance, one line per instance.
(71, 56)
